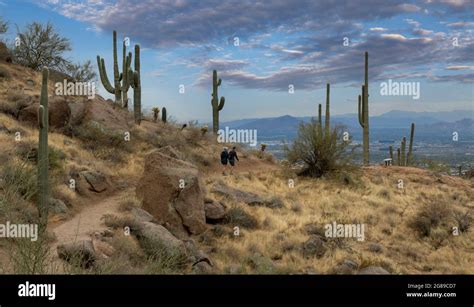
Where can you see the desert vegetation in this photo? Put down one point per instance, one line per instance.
(119, 192)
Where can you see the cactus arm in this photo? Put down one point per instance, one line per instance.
(361, 113)
(103, 76)
(221, 103)
(219, 82)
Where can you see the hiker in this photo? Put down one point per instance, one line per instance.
(224, 159)
(232, 157)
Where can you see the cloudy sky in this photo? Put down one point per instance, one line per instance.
(260, 48)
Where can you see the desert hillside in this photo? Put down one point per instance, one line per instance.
(152, 199)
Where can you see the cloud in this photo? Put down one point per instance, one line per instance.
(378, 29)
(165, 23)
(460, 67)
(461, 24)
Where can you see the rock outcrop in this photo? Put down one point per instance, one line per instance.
(170, 191)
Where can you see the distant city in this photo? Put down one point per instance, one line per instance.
(440, 137)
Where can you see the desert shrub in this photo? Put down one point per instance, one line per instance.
(31, 257)
(429, 217)
(4, 74)
(29, 151)
(163, 260)
(319, 152)
(15, 101)
(239, 217)
(104, 143)
(19, 178)
(464, 220)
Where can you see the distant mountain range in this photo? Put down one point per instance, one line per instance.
(394, 124)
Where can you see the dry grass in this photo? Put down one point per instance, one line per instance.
(386, 211)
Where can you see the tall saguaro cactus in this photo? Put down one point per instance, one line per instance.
(216, 104)
(43, 160)
(390, 148)
(363, 111)
(410, 147)
(135, 83)
(163, 115)
(326, 119)
(121, 80)
(403, 158)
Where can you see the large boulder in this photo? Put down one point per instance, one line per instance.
(178, 208)
(58, 112)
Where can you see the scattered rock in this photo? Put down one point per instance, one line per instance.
(96, 180)
(375, 248)
(141, 215)
(202, 268)
(345, 268)
(80, 253)
(314, 247)
(159, 237)
(274, 203)
(30, 82)
(57, 206)
(249, 198)
(170, 151)
(180, 209)
(373, 270)
(215, 212)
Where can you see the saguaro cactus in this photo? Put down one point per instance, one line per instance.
(216, 104)
(163, 115)
(326, 119)
(134, 81)
(363, 111)
(403, 159)
(398, 157)
(391, 152)
(121, 80)
(410, 147)
(43, 160)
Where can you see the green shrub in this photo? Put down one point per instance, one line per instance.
(318, 152)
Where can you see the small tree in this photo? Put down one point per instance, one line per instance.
(40, 46)
(318, 151)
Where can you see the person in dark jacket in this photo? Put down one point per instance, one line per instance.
(224, 159)
(232, 157)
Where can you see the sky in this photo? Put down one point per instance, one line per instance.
(261, 49)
